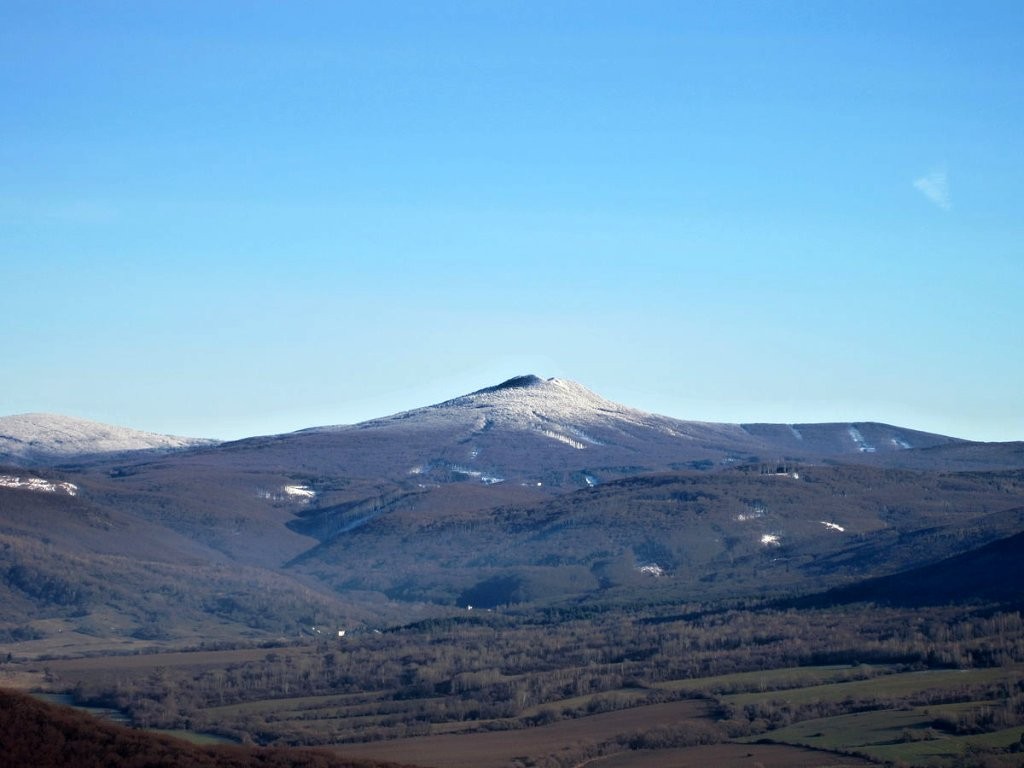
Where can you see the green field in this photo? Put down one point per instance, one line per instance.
(899, 737)
(884, 686)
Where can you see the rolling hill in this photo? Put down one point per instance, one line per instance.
(45, 439)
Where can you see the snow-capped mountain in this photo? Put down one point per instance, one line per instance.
(558, 409)
(530, 430)
(527, 427)
(41, 438)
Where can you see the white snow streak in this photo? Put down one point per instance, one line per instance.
(862, 445)
(563, 439)
(583, 436)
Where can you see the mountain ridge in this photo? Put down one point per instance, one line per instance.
(542, 431)
(529, 490)
(522, 427)
(28, 438)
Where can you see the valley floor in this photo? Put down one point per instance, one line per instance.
(616, 686)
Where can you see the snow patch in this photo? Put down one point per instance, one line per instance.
(771, 540)
(590, 480)
(481, 476)
(651, 569)
(303, 492)
(300, 493)
(832, 526)
(38, 484)
(796, 432)
(900, 443)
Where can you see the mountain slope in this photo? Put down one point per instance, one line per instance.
(676, 535)
(44, 438)
(518, 443)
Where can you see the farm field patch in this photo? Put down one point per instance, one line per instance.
(500, 749)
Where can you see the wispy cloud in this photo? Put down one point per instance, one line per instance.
(935, 186)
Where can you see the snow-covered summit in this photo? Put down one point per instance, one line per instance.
(43, 437)
(524, 400)
(559, 409)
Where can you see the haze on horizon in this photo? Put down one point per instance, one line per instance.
(230, 219)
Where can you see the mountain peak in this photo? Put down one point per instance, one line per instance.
(533, 403)
(516, 382)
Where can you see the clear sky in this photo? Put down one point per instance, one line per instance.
(233, 218)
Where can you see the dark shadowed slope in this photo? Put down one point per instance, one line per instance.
(993, 573)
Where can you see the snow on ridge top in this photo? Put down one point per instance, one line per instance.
(35, 434)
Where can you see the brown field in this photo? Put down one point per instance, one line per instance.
(499, 749)
(729, 756)
(505, 749)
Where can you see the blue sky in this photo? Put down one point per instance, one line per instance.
(225, 219)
